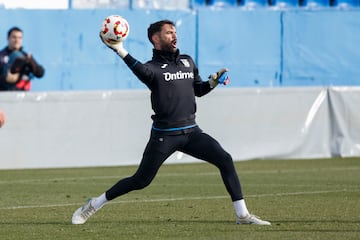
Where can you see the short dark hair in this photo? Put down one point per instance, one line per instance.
(13, 29)
(156, 27)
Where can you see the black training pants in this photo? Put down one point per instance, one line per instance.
(197, 144)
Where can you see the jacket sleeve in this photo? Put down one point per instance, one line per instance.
(36, 68)
(201, 88)
(2, 75)
(142, 71)
(2, 71)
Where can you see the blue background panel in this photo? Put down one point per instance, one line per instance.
(321, 49)
(247, 42)
(262, 47)
(67, 43)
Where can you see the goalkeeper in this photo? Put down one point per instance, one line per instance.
(174, 81)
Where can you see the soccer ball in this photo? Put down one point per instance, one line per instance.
(115, 29)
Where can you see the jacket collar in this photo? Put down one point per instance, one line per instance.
(7, 49)
(164, 55)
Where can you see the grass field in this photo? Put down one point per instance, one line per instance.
(304, 199)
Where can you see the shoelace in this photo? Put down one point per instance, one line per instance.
(90, 210)
(252, 216)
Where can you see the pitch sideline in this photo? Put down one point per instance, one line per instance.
(182, 199)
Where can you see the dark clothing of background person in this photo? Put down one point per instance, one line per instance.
(17, 61)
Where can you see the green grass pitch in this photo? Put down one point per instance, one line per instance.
(304, 199)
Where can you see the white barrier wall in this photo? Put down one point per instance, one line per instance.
(106, 128)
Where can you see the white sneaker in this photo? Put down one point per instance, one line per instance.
(82, 214)
(251, 219)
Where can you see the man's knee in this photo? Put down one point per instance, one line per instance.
(140, 182)
(227, 157)
(226, 162)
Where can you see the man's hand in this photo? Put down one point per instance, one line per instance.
(18, 65)
(116, 47)
(12, 77)
(219, 77)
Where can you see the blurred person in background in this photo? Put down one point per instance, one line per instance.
(17, 67)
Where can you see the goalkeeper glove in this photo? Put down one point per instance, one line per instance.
(116, 47)
(219, 77)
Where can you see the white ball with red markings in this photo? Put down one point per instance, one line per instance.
(115, 29)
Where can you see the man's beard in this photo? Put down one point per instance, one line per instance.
(168, 47)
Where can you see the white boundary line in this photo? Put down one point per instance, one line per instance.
(184, 198)
(45, 181)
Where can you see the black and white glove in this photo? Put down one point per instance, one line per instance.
(219, 77)
(116, 47)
